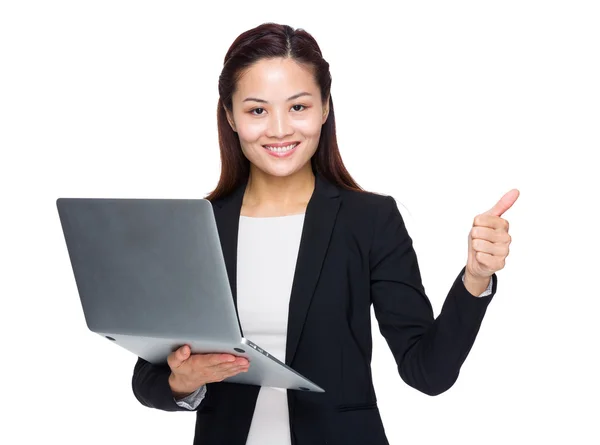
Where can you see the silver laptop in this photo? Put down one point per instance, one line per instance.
(151, 277)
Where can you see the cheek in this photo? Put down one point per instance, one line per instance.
(250, 132)
(309, 128)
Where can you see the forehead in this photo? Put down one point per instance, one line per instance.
(275, 78)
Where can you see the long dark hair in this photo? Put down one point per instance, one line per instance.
(271, 40)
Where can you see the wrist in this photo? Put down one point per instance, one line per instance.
(178, 388)
(476, 285)
(475, 278)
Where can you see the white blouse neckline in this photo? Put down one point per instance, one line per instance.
(273, 217)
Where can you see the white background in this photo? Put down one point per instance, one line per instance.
(444, 105)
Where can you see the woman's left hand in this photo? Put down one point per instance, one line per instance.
(489, 240)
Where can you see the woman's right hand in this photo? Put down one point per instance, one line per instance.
(190, 371)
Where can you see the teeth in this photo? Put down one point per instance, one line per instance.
(280, 149)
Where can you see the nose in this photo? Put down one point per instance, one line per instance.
(279, 125)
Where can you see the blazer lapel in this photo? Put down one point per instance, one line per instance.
(227, 215)
(319, 220)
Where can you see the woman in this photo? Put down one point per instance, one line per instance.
(299, 232)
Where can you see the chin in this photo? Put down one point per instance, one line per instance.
(282, 171)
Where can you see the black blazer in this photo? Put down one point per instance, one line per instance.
(355, 251)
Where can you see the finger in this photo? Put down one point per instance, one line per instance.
(233, 361)
(241, 361)
(217, 362)
(233, 372)
(491, 235)
(504, 204)
(484, 258)
(237, 369)
(224, 367)
(217, 359)
(493, 222)
(490, 262)
(483, 246)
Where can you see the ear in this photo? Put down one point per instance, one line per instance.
(230, 119)
(325, 112)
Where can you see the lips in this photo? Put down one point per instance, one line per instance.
(281, 144)
(281, 150)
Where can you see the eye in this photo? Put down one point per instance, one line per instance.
(294, 107)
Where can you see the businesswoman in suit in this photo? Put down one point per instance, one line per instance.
(312, 251)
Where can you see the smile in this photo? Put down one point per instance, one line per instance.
(280, 152)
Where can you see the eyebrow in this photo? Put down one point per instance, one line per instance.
(295, 96)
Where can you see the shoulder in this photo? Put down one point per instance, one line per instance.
(366, 202)
(369, 212)
(372, 217)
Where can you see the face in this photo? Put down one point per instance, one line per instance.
(278, 115)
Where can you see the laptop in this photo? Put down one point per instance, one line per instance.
(151, 277)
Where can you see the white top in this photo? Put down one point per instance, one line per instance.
(267, 254)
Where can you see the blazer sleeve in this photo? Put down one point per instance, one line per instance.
(150, 384)
(429, 352)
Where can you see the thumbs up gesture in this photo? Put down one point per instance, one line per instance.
(489, 240)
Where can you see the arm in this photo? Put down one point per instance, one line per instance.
(429, 352)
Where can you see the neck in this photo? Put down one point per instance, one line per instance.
(279, 195)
